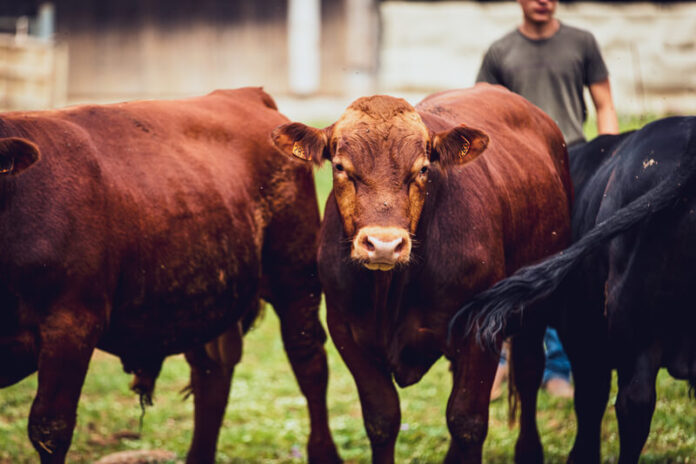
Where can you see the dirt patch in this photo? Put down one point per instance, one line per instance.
(140, 457)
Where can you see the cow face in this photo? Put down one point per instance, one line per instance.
(16, 155)
(381, 152)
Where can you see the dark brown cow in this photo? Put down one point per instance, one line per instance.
(147, 229)
(430, 206)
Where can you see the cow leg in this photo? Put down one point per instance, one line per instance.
(379, 399)
(635, 403)
(473, 370)
(592, 377)
(303, 339)
(67, 340)
(212, 366)
(527, 368)
(18, 358)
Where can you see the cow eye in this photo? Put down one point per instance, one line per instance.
(339, 167)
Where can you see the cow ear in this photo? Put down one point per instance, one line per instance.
(301, 141)
(16, 155)
(458, 145)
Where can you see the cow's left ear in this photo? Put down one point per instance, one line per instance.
(458, 145)
(301, 141)
(16, 155)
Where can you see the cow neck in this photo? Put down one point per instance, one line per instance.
(389, 287)
(382, 284)
(386, 305)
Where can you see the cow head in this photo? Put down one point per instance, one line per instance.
(16, 155)
(381, 152)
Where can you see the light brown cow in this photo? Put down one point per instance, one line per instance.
(431, 205)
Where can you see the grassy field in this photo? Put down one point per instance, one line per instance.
(266, 418)
(267, 422)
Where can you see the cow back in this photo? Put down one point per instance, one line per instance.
(152, 204)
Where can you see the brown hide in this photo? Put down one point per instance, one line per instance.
(147, 203)
(381, 145)
(146, 229)
(522, 180)
(483, 217)
(451, 196)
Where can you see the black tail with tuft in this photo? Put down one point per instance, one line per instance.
(489, 311)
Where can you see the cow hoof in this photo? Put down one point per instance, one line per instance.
(323, 455)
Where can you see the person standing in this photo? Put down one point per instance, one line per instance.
(550, 63)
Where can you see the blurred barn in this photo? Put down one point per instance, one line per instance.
(126, 49)
(69, 51)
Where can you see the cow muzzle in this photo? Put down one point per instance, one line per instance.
(381, 248)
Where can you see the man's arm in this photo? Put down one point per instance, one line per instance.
(607, 123)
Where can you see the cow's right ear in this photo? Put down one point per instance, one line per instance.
(16, 155)
(458, 145)
(301, 141)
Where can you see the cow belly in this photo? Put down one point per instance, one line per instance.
(182, 312)
(680, 359)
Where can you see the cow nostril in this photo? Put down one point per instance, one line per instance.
(400, 246)
(368, 244)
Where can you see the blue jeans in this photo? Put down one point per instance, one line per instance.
(557, 364)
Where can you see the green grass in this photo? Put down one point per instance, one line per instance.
(625, 123)
(266, 419)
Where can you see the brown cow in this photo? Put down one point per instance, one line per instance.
(430, 206)
(147, 229)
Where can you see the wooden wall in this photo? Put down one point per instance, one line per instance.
(33, 73)
(128, 49)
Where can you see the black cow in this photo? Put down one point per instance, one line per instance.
(625, 290)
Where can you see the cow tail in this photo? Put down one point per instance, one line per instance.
(489, 311)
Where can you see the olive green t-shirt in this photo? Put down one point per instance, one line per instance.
(548, 72)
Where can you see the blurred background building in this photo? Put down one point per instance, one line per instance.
(315, 56)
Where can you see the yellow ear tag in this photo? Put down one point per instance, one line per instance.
(298, 151)
(465, 149)
(5, 170)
